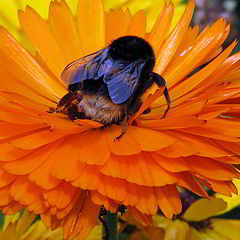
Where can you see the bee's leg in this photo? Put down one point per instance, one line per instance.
(124, 124)
(159, 80)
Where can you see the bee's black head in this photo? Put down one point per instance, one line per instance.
(131, 48)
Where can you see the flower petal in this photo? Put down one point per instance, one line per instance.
(215, 170)
(171, 44)
(117, 23)
(160, 29)
(153, 140)
(99, 199)
(82, 219)
(138, 25)
(5, 197)
(6, 178)
(61, 195)
(203, 209)
(125, 146)
(26, 70)
(30, 162)
(63, 26)
(203, 146)
(177, 230)
(90, 178)
(24, 191)
(41, 37)
(91, 23)
(226, 227)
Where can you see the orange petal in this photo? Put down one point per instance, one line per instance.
(153, 140)
(31, 161)
(61, 195)
(82, 217)
(221, 187)
(46, 218)
(177, 150)
(187, 42)
(225, 126)
(38, 207)
(144, 170)
(148, 102)
(85, 148)
(117, 23)
(209, 133)
(26, 70)
(229, 146)
(144, 219)
(13, 208)
(89, 178)
(148, 202)
(163, 203)
(9, 153)
(202, 46)
(42, 175)
(133, 194)
(113, 188)
(203, 146)
(37, 140)
(24, 191)
(173, 196)
(87, 220)
(191, 183)
(6, 178)
(212, 169)
(62, 213)
(186, 109)
(38, 32)
(64, 28)
(213, 114)
(91, 24)
(198, 77)
(125, 146)
(170, 164)
(173, 123)
(12, 131)
(116, 166)
(99, 199)
(171, 44)
(138, 25)
(14, 83)
(65, 169)
(25, 104)
(161, 27)
(5, 197)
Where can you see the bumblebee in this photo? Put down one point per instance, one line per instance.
(106, 86)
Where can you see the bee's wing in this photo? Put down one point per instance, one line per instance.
(88, 67)
(123, 80)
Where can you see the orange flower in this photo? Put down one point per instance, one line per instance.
(65, 170)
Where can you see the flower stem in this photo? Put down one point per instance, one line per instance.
(111, 222)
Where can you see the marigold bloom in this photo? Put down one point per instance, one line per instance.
(65, 170)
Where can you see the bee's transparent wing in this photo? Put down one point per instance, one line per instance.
(122, 81)
(89, 67)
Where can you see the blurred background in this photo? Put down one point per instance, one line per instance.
(208, 11)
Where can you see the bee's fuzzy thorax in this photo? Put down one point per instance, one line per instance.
(131, 48)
